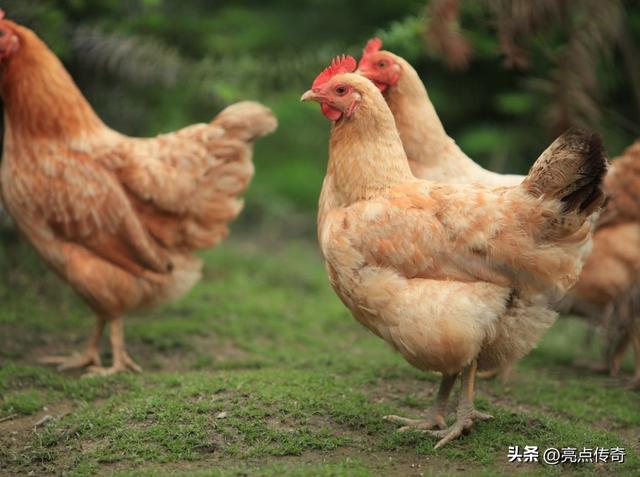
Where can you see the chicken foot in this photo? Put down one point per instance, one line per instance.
(503, 374)
(435, 417)
(466, 414)
(121, 360)
(90, 357)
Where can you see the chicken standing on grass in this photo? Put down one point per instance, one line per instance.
(606, 290)
(455, 277)
(117, 217)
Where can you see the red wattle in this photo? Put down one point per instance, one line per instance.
(332, 113)
(381, 86)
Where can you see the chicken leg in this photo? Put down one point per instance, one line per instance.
(620, 349)
(436, 415)
(466, 414)
(121, 359)
(90, 357)
(503, 374)
(635, 381)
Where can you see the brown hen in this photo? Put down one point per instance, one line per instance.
(117, 217)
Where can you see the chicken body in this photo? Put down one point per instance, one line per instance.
(612, 260)
(454, 277)
(117, 217)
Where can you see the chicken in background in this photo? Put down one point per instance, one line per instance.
(455, 277)
(117, 217)
(608, 291)
(432, 153)
(610, 274)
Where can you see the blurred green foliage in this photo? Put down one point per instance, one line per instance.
(151, 66)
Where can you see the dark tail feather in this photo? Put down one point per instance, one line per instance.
(571, 170)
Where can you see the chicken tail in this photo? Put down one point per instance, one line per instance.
(246, 121)
(228, 140)
(571, 170)
(567, 185)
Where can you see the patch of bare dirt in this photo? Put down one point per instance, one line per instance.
(15, 434)
(22, 424)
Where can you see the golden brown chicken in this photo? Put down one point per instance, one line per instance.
(116, 217)
(606, 289)
(432, 153)
(455, 277)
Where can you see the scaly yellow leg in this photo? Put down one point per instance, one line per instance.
(121, 360)
(435, 417)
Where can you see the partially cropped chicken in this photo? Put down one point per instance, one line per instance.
(608, 291)
(610, 275)
(454, 277)
(117, 217)
(432, 153)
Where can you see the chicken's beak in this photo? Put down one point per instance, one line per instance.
(310, 96)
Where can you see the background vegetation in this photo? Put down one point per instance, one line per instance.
(261, 370)
(150, 66)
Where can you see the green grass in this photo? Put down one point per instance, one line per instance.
(260, 370)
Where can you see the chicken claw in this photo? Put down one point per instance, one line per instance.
(435, 416)
(75, 361)
(466, 414)
(447, 435)
(480, 416)
(461, 426)
(121, 360)
(121, 365)
(90, 357)
(433, 420)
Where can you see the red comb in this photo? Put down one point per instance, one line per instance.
(340, 64)
(372, 46)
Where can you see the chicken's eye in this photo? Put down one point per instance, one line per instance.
(382, 64)
(341, 90)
